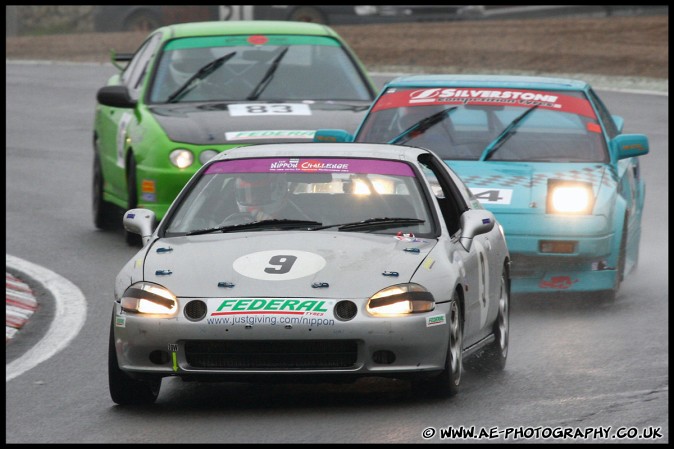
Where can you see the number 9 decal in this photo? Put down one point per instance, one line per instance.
(282, 264)
(279, 265)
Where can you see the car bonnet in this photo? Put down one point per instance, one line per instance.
(519, 187)
(284, 263)
(232, 123)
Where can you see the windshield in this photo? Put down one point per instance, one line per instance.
(312, 194)
(491, 124)
(269, 68)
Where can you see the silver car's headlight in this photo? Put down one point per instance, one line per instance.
(401, 299)
(181, 158)
(146, 297)
(570, 197)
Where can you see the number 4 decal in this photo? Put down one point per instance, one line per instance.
(492, 196)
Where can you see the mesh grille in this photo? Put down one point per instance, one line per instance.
(266, 354)
(345, 310)
(195, 310)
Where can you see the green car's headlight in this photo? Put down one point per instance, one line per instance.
(401, 299)
(569, 197)
(181, 158)
(207, 155)
(146, 297)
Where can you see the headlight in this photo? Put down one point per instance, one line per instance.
(566, 197)
(181, 158)
(207, 155)
(145, 297)
(401, 299)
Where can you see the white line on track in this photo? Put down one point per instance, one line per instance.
(70, 314)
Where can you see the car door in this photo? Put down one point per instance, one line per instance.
(113, 124)
(475, 261)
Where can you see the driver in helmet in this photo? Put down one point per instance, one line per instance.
(262, 195)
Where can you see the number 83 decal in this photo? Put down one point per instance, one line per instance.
(279, 265)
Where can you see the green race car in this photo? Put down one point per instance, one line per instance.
(193, 90)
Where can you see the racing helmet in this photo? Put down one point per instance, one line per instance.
(261, 192)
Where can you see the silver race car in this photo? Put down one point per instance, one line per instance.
(311, 260)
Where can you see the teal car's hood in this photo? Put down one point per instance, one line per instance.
(521, 187)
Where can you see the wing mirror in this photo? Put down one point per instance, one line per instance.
(475, 222)
(140, 221)
(115, 96)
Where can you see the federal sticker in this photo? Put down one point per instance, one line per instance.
(435, 320)
(120, 321)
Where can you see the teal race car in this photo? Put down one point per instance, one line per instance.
(193, 90)
(543, 154)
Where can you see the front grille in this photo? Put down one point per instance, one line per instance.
(272, 354)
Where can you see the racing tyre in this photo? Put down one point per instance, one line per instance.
(494, 357)
(123, 389)
(446, 384)
(105, 214)
(132, 200)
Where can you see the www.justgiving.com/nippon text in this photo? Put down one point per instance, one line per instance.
(648, 433)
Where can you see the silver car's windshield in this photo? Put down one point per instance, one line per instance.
(262, 68)
(555, 126)
(335, 194)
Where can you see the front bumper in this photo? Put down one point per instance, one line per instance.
(590, 266)
(261, 345)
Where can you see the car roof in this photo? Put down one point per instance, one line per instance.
(478, 80)
(317, 149)
(219, 28)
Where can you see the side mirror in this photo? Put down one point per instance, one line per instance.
(332, 136)
(630, 145)
(115, 96)
(475, 222)
(140, 221)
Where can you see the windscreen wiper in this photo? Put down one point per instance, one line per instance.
(421, 126)
(266, 79)
(507, 132)
(199, 75)
(372, 223)
(272, 223)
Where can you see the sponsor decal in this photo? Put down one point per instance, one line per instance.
(485, 97)
(558, 282)
(428, 263)
(120, 321)
(265, 109)
(270, 134)
(270, 311)
(148, 185)
(324, 165)
(435, 320)
(407, 237)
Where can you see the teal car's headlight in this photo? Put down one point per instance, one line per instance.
(146, 297)
(207, 155)
(401, 299)
(181, 158)
(569, 197)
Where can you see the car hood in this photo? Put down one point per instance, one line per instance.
(283, 263)
(230, 123)
(522, 187)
